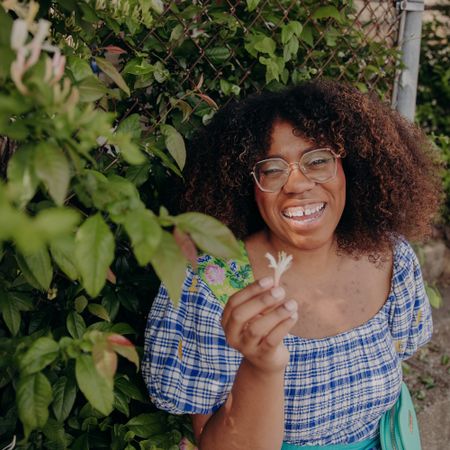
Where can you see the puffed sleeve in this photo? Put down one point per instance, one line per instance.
(410, 319)
(187, 366)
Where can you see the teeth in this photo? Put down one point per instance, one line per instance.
(301, 211)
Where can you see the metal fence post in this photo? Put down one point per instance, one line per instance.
(409, 40)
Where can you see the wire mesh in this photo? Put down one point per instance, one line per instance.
(215, 40)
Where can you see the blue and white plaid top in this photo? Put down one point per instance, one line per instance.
(336, 388)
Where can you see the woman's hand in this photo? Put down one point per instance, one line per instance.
(255, 321)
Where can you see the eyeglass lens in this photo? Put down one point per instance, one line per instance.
(318, 165)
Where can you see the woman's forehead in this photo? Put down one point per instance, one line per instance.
(286, 141)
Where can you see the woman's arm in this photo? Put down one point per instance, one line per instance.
(255, 321)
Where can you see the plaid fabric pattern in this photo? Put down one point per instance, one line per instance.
(336, 388)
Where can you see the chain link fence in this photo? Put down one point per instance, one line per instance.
(240, 47)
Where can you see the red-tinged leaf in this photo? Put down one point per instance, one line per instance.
(208, 100)
(200, 83)
(118, 339)
(186, 245)
(123, 347)
(111, 276)
(114, 49)
(105, 360)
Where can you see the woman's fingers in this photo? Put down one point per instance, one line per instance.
(242, 296)
(277, 334)
(271, 324)
(234, 319)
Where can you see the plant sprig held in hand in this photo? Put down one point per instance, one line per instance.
(280, 266)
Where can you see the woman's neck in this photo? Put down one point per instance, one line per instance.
(308, 260)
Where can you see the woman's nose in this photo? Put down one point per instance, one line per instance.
(297, 181)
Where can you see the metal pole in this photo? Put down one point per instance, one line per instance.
(405, 101)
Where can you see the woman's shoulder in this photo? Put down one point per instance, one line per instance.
(405, 259)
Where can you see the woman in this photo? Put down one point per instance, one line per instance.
(339, 181)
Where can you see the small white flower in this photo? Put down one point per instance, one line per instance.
(283, 264)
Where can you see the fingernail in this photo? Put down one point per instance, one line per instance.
(277, 292)
(294, 316)
(290, 305)
(266, 282)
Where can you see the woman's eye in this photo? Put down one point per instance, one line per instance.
(272, 172)
(317, 162)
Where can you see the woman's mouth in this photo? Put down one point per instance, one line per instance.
(305, 214)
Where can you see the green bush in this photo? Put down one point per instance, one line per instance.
(90, 145)
(433, 94)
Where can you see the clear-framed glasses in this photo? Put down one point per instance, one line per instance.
(318, 165)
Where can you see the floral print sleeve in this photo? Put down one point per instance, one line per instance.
(224, 278)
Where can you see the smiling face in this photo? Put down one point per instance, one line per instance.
(303, 214)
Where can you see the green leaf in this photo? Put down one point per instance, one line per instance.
(291, 29)
(99, 311)
(183, 106)
(10, 312)
(42, 352)
(128, 149)
(81, 443)
(63, 253)
(121, 403)
(145, 234)
(131, 125)
(75, 325)
(97, 390)
(94, 252)
(307, 35)
(80, 68)
(157, 6)
(91, 89)
(146, 425)
(56, 436)
(5, 28)
(274, 67)
(52, 223)
(229, 88)
(23, 301)
(22, 177)
(138, 66)
(37, 268)
(130, 389)
(217, 55)
(124, 198)
(112, 72)
(325, 12)
(34, 395)
(252, 4)
(175, 144)
(170, 265)
(265, 45)
(209, 234)
(434, 296)
(64, 393)
(138, 175)
(166, 160)
(80, 303)
(290, 49)
(53, 169)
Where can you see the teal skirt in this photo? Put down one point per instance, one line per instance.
(368, 444)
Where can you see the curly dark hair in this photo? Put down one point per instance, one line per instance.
(392, 173)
